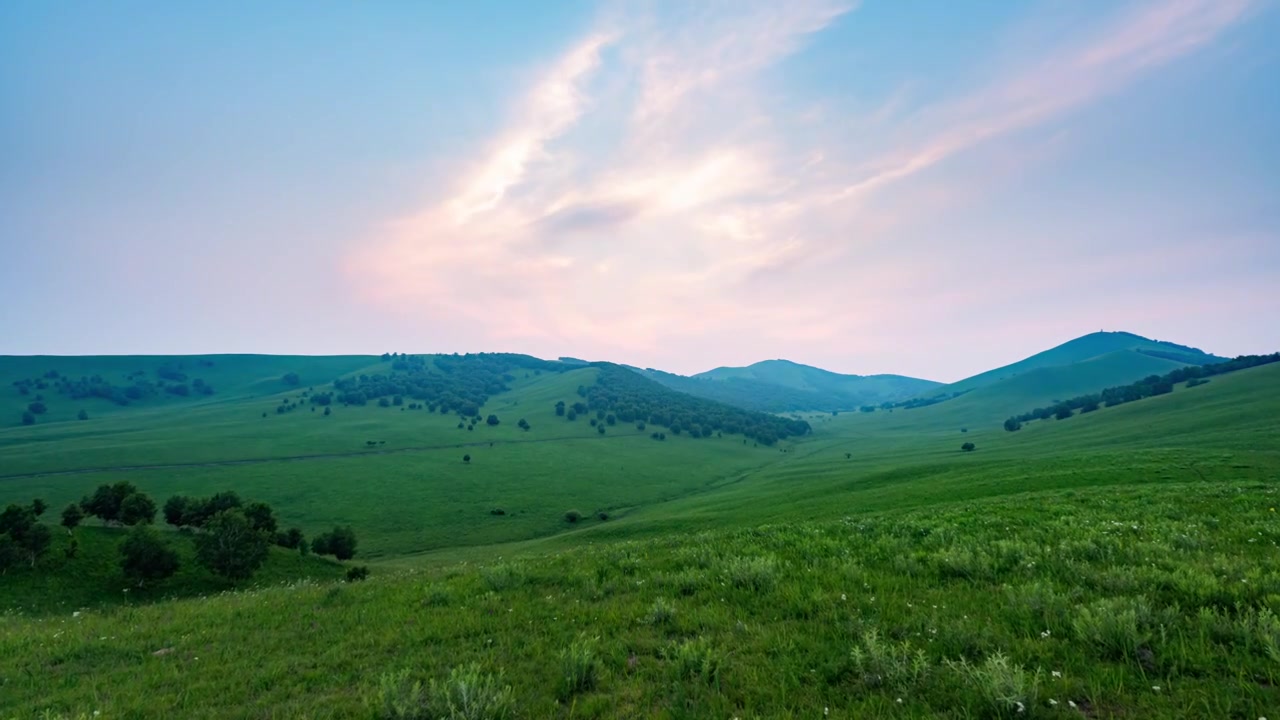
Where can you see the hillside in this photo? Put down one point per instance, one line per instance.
(1080, 350)
(784, 386)
(1073, 565)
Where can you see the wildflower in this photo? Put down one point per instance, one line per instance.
(899, 701)
(1071, 703)
(1020, 706)
(1156, 688)
(75, 614)
(842, 596)
(1057, 673)
(1045, 634)
(826, 711)
(1052, 702)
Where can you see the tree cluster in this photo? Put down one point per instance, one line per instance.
(1149, 386)
(23, 538)
(446, 383)
(622, 395)
(137, 388)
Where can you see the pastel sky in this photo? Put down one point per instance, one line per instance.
(925, 188)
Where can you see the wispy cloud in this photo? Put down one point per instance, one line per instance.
(698, 214)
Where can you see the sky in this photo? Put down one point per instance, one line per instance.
(887, 186)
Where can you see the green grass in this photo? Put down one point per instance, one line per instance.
(59, 585)
(1083, 561)
(1094, 597)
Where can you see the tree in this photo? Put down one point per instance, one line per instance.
(968, 447)
(72, 515)
(10, 553)
(38, 507)
(327, 410)
(291, 379)
(145, 556)
(1012, 425)
(610, 419)
(107, 499)
(339, 542)
(560, 409)
(492, 420)
(261, 517)
(600, 429)
(37, 408)
(230, 547)
(291, 538)
(523, 424)
(137, 509)
(177, 510)
(82, 415)
(571, 416)
(28, 418)
(466, 458)
(1063, 412)
(572, 516)
(29, 537)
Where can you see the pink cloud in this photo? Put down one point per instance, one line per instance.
(702, 220)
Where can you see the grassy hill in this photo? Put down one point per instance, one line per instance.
(784, 386)
(1087, 561)
(1083, 349)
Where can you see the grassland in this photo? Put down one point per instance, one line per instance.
(1088, 561)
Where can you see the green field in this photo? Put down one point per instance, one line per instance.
(1086, 561)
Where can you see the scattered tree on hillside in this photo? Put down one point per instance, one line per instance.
(466, 458)
(291, 379)
(230, 547)
(27, 537)
(1063, 412)
(137, 509)
(107, 500)
(327, 410)
(261, 517)
(339, 542)
(82, 415)
(28, 418)
(1012, 425)
(145, 556)
(72, 515)
(523, 424)
(968, 447)
(560, 408)
(38, 506)
(572, 516)
(291, 539)
(492, 420)
(600, 429)
(177, 510)
(37, 408)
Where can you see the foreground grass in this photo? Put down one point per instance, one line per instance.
(1145, 601)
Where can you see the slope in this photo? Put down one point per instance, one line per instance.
(783, 386)
(1079, 350)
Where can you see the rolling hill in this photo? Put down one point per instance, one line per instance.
(785, 386)
(1086, 348)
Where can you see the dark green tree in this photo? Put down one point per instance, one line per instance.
(177, 509)
(339, 542)
(230, 547)
(492, 420)
(261, 517)
(72, 515)
(968, 447)
(38, 507)
(1012, 425)
(82, 415)
(523, 424)
(28, 418)
(145, 556)
(137, 509)
(560, 409)
(291, 379)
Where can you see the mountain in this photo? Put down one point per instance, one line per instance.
(1091, 347)
(785, 386)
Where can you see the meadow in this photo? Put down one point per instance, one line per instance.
(1115, 564)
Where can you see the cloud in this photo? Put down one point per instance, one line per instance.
(647, 192)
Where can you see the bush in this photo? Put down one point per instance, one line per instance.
(968, 447)
(660, 613)
(752, 573)
(881, 663)
(1118, 628)
(602, 515)
(357, 573)
(572, 516)
(1009, 689)
(695, 659)
(497, 511)
(503, 576)
(579, 667)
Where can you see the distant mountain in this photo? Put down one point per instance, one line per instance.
(1098, 375)
(785, 386)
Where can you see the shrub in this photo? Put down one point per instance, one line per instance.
(660, 613)
(503, 576)
(579, 667)
(1008, 689)
(497, 511)
(752, 573)
(602, 515)
(968, 447)
(467, 694)
(695, 659)
(572, 516)
(881, 663)
(1118, 628)
(357, 573)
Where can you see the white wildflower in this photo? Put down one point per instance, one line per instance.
(1057, 673)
